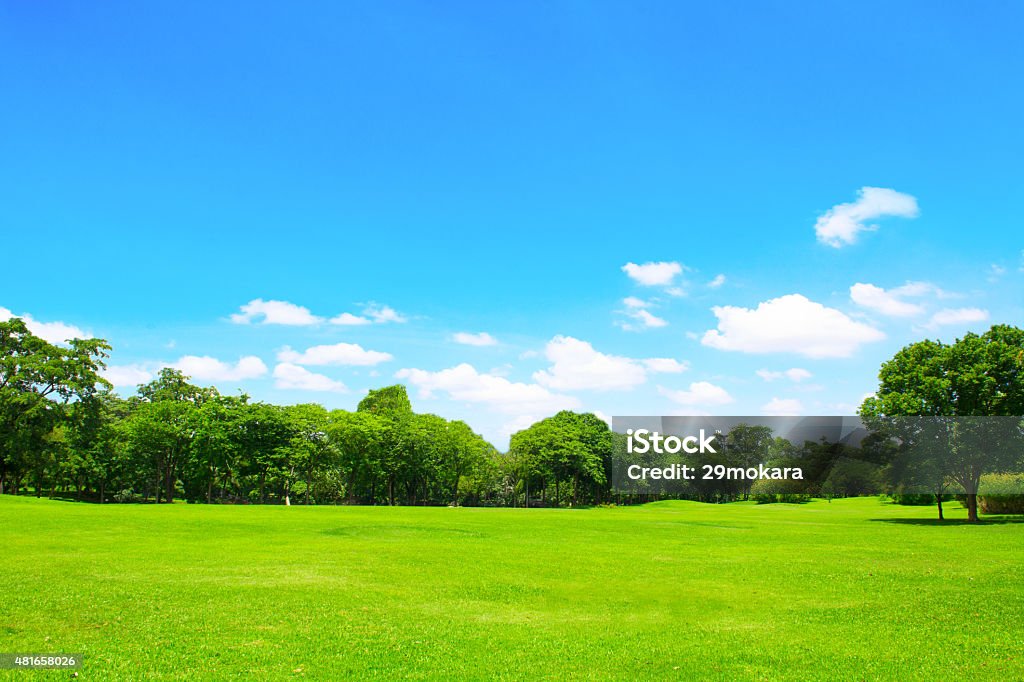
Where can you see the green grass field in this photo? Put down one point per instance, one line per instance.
(855, 589)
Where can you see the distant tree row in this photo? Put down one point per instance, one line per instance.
(64, 432)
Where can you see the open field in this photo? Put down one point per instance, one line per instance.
(855, 589)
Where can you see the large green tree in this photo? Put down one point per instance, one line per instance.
(975, 376)
(38, 379)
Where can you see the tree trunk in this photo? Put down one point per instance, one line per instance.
(169, 483)
(972, 507)
(938, 499)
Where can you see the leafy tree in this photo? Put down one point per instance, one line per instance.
(163, 426)
(38, 380)
(390, 401)
(975, 376)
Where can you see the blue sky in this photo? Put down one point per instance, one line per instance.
(466, 168)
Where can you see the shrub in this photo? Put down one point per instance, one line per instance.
(1001, 494)
(767, 491)
(914, 499)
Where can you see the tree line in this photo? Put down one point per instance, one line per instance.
(64, 432)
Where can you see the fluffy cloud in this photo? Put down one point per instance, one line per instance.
(653, 274)
(206, 368)
(700, 394)
(54, 332)
(950, 316)
(783, 407)
(718, 281)
(127, 375)
(275, 312)
(665, 365)
(643, 320)
(636, 310)
(350, 320)
(373, 313)
(285, 313)
(789, 324)
(480, 339)
(841, 224)
(464, 383)
(576, 366)
(289, 376)
(383, 314)
(890, 302)
(795, 374)
(336, 354)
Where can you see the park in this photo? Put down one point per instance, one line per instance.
(853, 589)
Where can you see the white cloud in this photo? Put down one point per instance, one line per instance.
(336, 354)
(206, 368)
(127, 375)
(783, 407)
(576, 366)
(789, 324)
(275, 312)
(350, 320)
(54, 332)
(644, 320)
(795, 374)
(464, 383)
(841, 224)
(890, 302)
(636, 309)
(700, 393)
(650, 321)
(382, 314)
(289, 376)
(995, 272)
(373, 313)
(665, 365)
(653, 274)
(718, 281)
(950, 316)
(480, 339)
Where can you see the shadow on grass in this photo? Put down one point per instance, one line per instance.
(991, 521)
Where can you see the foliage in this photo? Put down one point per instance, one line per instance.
(1001, 494)
(977, 375)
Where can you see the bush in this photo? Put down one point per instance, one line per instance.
(767, 491)
(1001, 494)
(914, 499)
(126, 496)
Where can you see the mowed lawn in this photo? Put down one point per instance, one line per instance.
(853, 589)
